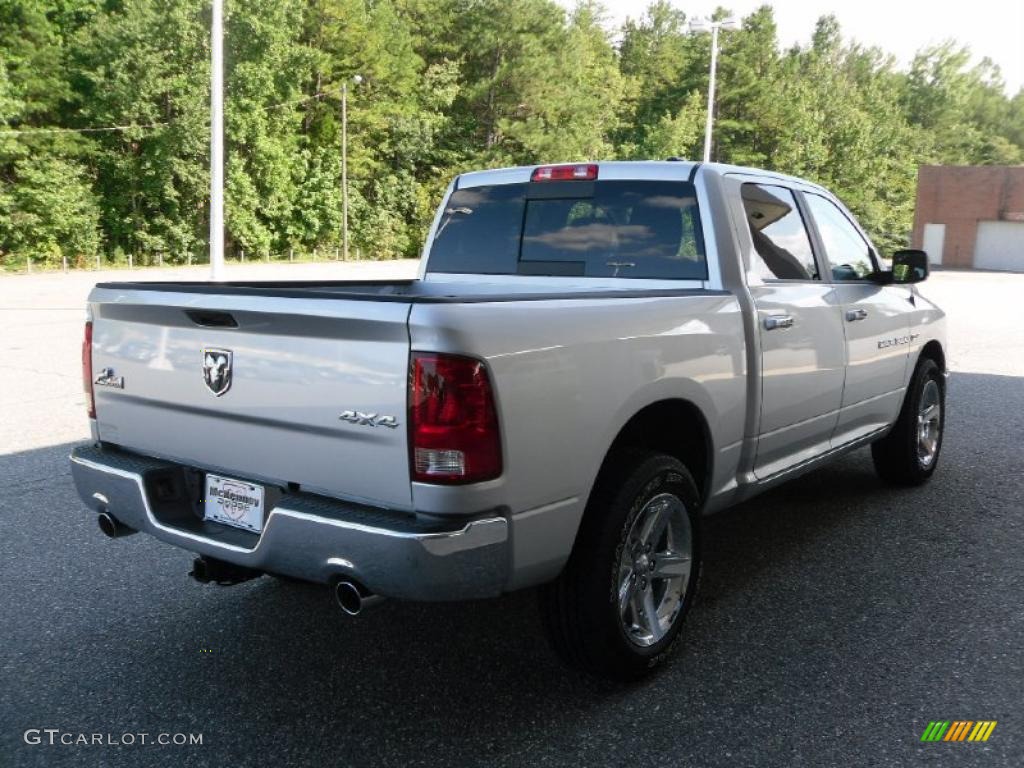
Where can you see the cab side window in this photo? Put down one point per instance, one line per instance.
(848, 253)
(782, 248)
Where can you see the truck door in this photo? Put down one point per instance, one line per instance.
(801, 331)
(876, 320)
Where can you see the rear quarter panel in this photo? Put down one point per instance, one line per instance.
(568, 374)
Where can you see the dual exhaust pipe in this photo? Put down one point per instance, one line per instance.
(351, 597)
(112, 527)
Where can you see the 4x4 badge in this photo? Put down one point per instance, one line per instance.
(368, 419)
(108, 378)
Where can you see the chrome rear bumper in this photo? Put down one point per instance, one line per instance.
(306, 536)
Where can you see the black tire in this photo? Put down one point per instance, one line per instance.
(897, 458)
(580, 609)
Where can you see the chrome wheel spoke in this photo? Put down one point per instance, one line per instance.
(670, 564)
(657, 519)
(650, 613)
(627, 588)
(654, 569)
(636, 607)
(929, 423)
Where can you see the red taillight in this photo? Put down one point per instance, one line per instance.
(453, 425)
(578, 172)
(87, 369)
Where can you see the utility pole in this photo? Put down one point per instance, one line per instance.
(704, 25)
(344, 169)
(217, 142)
(709, 120)
(357, 79)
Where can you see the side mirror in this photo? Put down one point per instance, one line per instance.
(909, 266)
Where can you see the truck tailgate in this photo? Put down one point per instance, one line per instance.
(259, 394)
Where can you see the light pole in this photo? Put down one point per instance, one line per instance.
(357, 79)
(217, 142)
(707, 25)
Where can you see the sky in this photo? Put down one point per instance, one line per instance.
(988, 27)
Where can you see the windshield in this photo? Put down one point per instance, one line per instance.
(633, 229)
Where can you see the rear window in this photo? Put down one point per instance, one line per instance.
(635, 229)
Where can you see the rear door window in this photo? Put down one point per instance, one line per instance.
(782, 247)
(631, 229)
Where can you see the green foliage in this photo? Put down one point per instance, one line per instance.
(51, 213)
(678, 135)
(142, 64)
(446, 85)
(662, 66)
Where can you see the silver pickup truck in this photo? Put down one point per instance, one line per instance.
(593, 357)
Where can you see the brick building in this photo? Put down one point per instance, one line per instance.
(971, 216)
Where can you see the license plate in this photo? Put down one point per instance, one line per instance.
(234, 502)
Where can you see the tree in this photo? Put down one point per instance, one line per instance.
(747, 122)
(51, 213)
(47, 207)
(569, 112)
(963, 111)
(141, 65)
(447, 85)
(662, 66)
(678, 135)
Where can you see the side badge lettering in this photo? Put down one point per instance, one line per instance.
(368, 419)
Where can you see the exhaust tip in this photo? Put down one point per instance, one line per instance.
(107, 524)
(348, 597)
(111, 526)
(199, 571)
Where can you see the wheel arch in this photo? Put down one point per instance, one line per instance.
(933, 351)
(674, 426)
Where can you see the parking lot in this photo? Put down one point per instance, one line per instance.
(837, 616)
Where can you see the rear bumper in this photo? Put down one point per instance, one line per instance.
(306, 536)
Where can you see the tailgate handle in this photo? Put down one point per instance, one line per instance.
(211, 318)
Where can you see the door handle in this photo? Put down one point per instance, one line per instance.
(778, 321)
(856, 314)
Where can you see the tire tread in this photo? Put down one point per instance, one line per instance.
(563, 602)
(895, 455)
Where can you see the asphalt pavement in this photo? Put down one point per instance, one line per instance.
(837, 616)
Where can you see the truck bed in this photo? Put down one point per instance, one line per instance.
(415, 291)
